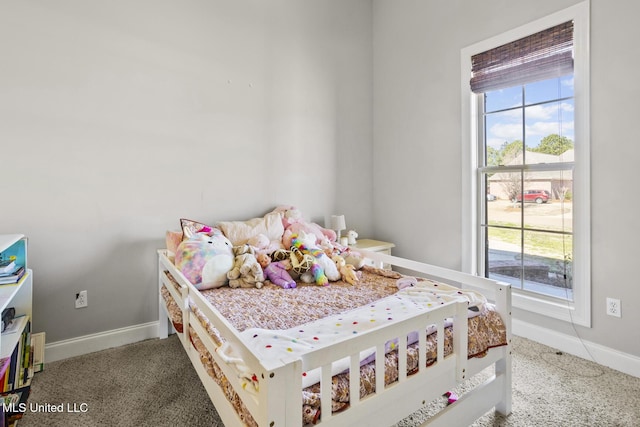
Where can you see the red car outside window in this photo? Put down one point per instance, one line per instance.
(537, 196)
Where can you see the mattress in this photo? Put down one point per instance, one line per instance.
(274, 308)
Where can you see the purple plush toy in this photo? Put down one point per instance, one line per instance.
(276, 272)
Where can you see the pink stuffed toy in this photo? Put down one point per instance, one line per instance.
(262, 245)
(294, 223)
(276, 272)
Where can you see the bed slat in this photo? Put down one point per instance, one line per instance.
(379, 368)
(402, 358)
(354, 379)
(325, 392)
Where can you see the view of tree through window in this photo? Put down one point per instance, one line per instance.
(527, 179)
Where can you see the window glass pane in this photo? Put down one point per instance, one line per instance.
(547, 200)
(546, 90)
(528, 214)
(566, 86)
(503, 211)
(547, 263)
(549, 131)
(504, 261)
(503, 133)
(503, 99)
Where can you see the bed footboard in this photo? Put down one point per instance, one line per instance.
(407, 391)
(499, 394)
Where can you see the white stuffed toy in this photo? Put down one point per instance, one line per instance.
(307, 245)
(246, 271)
(205, 259)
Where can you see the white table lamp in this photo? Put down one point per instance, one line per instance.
(338, 224)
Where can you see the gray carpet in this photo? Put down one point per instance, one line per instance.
(152, 383)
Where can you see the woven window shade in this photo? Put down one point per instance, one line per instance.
(540, 56)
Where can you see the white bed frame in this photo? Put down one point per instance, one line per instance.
(278, 401)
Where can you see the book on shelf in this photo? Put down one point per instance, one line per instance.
(4, 364)
(37, 350)
(12, 272)
(19, 398)
(10, 380)
(14, 277)
(11, 399)
(19, 369)
(7, 266)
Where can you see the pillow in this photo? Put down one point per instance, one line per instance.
(190, 227)
(173, 239)
(239, 232)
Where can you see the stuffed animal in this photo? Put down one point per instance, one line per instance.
(347, 271)
(300, 262)
(321, 257)
(334, 248)
(205, 260)
(329, 248)
(280, 255)
(246, 271)
(276, 272)
(316, 272)
(294, 223)
(323, 269)
(297, 262)
(261, 244)
(352, 236)
(354, 258)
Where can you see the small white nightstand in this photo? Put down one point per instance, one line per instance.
(374, 246)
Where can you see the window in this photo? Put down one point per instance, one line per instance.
(525, 172)
(526, 159)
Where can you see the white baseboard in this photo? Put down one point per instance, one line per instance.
(571, 344)
(101, 341)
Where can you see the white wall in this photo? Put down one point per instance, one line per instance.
(117, 118)
(417, 138)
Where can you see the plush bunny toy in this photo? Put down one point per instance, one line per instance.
(246, 272)
(347, 271)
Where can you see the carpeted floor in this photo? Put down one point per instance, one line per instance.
(152, 383)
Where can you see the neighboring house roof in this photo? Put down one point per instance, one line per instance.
(533, 157)
(538, 158)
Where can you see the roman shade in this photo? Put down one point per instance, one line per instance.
(540, 56)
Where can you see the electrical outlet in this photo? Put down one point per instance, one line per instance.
(613, 307)
(81, 299)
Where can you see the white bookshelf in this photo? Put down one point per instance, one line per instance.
(17, 295)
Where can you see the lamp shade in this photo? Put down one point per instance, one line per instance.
(338, 222)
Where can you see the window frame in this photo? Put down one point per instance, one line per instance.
(577, 311)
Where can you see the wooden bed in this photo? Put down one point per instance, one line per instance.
(273, 395)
